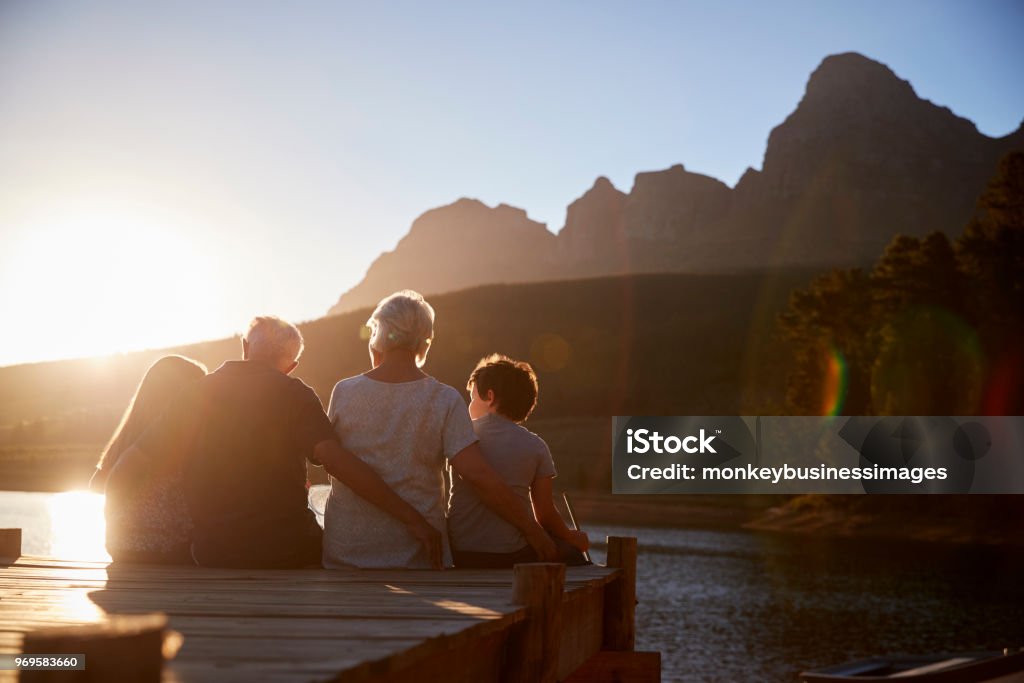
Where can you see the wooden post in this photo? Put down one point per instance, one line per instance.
(620, 596)
(533, 653)
(10, 543)
(126, 647)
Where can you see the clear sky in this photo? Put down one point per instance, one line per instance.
(168, 170)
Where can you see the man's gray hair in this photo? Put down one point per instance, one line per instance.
(270, 338)
(403, 320)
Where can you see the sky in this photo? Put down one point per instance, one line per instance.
(169, 170)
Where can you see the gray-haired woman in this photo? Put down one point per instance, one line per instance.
(408, 427)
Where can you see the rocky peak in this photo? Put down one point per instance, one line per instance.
(602, 197)
(674, 204)
(851, 79)
(602, 187)
(456, 246)
(673, 180)
(860, 128)
(851, 94)
(593, 229)
(471, 219)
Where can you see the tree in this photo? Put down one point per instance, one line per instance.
(829, 328)
(935, 328)
(991, 250)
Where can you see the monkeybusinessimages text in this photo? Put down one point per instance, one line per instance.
(643, 441)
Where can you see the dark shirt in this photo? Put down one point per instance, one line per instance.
(245, 433)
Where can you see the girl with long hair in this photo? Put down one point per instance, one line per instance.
(150, 523)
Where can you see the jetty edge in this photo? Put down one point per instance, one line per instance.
(539, 622)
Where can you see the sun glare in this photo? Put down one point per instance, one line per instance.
(77, 526)
(102, 282)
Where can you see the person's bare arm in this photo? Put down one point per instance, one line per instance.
(344, 466)
(470, 465)
(544, 509)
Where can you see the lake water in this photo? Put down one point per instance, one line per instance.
(732, 606)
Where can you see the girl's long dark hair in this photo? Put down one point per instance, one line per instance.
(161, 383)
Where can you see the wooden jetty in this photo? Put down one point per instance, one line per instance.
(538, 622)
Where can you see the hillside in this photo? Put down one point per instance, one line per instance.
(672, 344)
(860, 159)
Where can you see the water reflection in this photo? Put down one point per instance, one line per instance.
(77, 526)
(736, 606)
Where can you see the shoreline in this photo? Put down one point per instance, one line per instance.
(699, 512)
(901, 518)
(817, 517)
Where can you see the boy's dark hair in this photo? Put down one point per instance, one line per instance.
(513, 382)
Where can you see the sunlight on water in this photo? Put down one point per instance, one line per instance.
(77, 526)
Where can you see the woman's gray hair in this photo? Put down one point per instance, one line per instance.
(272, 339)
(403, 320)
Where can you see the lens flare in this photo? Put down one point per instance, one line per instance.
(549, 352)
(835, 384)
(930, 363)
(1002, 393)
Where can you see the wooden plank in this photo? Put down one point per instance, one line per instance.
(343, 653)
(42, 589)
(480, 660)
(341, 594)
(206, 674)
(367, 629)
(582, 628)
(619, 667)
(299, 627)
(460, 577)
(397, 613)
(241, 672)
(426, 574)
(350, 598)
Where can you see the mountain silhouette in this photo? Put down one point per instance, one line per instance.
(454, 247)
(861, 159)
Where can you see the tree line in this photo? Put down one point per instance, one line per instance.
(935, 327)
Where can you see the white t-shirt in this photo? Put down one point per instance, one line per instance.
(406, 432)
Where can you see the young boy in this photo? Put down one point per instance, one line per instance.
(504, 393)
